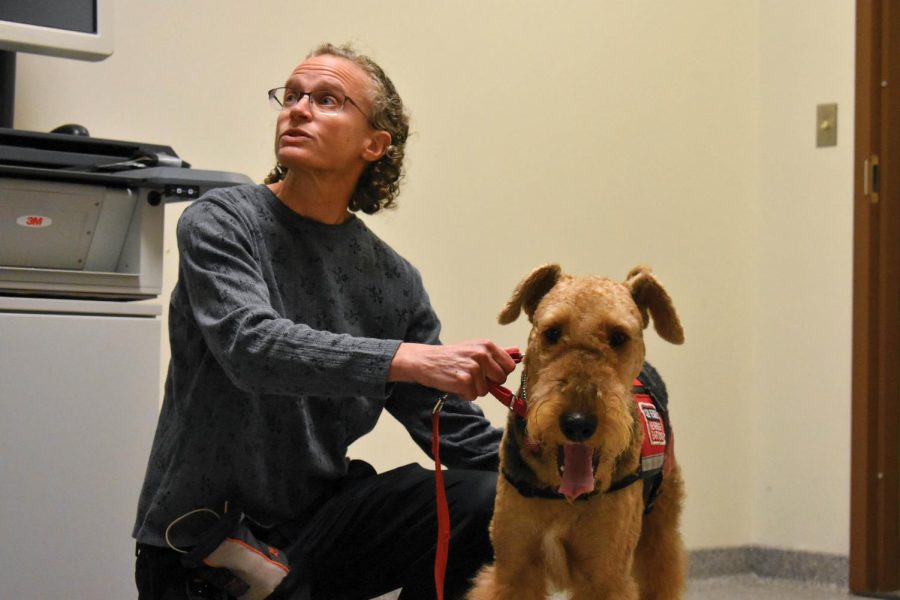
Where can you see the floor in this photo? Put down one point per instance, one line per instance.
(748, 587)
(752, 587)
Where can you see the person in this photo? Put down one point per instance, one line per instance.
(292, 327)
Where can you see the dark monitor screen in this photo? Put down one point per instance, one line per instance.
(78, 29)
(69, 15)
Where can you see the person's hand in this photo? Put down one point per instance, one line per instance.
(464, 369)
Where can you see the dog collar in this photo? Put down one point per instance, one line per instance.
(529, 491)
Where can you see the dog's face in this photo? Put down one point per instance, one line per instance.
(585, 348)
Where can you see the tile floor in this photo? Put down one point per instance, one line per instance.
(752, 587)
(748, 587)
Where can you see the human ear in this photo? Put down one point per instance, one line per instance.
(376, 145)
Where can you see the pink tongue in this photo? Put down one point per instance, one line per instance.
(578, 473)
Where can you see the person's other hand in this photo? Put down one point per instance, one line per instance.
(464, 369)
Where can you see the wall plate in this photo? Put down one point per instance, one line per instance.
(826, 125)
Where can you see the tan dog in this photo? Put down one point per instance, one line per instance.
(582, 434)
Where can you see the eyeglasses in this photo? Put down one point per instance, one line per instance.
(325, 102)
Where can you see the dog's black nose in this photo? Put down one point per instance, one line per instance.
(577, 426)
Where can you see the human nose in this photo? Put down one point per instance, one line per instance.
(303, 105)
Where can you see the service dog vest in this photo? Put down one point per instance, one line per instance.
(654, 417)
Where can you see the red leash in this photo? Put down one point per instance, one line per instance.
(443, 512)
(512, 402)
(507, 398)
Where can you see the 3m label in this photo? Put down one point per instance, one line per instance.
(34, 221)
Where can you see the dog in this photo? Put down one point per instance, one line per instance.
(566, 523)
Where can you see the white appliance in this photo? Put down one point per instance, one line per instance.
(83, 216)
(81, 229)
(79, 398)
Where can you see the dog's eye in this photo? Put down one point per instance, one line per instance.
(552, 334)
(618, 339)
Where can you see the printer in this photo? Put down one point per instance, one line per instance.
(82, 217)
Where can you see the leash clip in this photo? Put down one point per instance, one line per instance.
(439, 405)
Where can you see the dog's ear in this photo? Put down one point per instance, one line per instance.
(529, 292)
(649, 295)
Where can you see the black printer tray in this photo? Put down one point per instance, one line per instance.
(82, 159)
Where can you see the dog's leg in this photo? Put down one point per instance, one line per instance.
(659, 562)
(521, 534)
(483, 585)
(606, 588)
(527, 584)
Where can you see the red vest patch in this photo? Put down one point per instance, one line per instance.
(653, 451)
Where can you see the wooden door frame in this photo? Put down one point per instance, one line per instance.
(875, 461)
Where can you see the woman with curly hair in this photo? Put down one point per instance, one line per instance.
(292, 326)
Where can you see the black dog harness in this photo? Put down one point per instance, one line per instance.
(654, 415)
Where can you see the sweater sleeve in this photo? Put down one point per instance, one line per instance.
(468, 440)
(260, 350)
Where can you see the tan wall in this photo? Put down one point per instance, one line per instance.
(598, 134)
(801, 430)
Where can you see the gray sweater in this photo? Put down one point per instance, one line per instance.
(282, 332)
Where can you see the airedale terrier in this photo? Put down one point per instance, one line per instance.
(567, 524)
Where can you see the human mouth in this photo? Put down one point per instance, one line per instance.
(295, 135)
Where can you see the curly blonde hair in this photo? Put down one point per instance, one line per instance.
(379, 184)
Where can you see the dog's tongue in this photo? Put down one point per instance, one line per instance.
(578, 473)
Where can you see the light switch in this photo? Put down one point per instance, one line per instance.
(826, 125)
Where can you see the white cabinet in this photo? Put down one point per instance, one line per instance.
(79, 398)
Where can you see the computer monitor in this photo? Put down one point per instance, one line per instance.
(78, 29)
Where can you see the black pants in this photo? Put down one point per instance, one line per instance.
(378, 533)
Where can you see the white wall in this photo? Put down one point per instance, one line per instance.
(598, 134)
(803, 324)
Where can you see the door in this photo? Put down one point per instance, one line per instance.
(875, 478)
